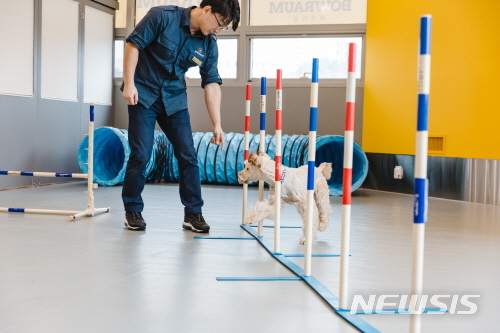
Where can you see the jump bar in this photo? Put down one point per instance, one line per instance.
(38, 211)
(44, 174)
(74, 214)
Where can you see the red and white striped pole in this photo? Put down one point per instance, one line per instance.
(247, 145)
(347, 179)
(277, 163)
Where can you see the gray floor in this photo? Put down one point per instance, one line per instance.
(93, 275)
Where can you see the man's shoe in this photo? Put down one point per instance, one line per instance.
(196, 223)
(134, 221)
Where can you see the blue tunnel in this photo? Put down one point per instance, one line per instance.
(217, 166)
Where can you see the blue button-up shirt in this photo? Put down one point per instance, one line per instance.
(167, 49)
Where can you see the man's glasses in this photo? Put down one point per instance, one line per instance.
(220, 27)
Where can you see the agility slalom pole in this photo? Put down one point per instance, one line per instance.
(247, 146)
(262, 146)
(90, 160)
(277, 162)
(91, 210)
(347, 179)
(421, 182)
(313, 120)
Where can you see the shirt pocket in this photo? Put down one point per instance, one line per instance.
(169, 45)
(166, 52)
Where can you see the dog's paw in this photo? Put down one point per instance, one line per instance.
(322, 227)
(302, 240)
(249, 221)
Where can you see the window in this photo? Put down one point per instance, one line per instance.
(228, 48)
(276, 35)
(119, 45)
(227, 59)
(294, 56)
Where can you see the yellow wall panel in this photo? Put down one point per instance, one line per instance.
(465, 76)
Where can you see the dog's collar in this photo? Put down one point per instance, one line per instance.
(283, 174)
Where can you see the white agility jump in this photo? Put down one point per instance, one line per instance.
(91, 210)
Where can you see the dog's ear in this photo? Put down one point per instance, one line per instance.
(254, 160)
(326, 170)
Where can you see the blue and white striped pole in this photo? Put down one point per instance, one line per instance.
(90, 179)
(313, 120)
(421, 182)
(262, 146)
(44, 174)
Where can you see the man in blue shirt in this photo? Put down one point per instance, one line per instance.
(164, 45)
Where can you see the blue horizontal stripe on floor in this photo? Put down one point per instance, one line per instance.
(259, 279)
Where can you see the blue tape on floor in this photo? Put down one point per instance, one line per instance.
(259, 279)
(397, 311)
(314, 255)
(243, 238)
(321, 290)
(272, 226)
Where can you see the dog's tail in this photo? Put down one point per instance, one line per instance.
(326, 169)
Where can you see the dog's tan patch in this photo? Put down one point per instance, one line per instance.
(254, 160)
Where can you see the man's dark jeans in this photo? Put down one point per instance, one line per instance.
(177, 128)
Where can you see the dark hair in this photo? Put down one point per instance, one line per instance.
(228, 9)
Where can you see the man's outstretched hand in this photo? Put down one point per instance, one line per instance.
(218, 137)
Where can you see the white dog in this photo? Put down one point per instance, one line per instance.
(293, 191)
